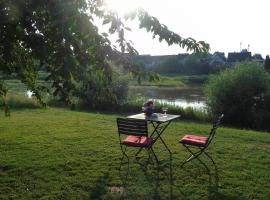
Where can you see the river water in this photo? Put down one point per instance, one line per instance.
(181, 97)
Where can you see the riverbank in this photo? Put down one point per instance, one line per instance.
(176, 81)
(188, 94)
(187, 101)
(63, 154)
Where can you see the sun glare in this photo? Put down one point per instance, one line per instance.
(123, 6)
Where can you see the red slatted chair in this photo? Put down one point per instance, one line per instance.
(200, 142)
(136, 132)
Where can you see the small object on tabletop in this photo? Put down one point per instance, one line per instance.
(164, 111)
(148, 108)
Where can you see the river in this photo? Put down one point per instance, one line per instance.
(182, 97)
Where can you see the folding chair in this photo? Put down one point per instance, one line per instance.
(136, 132)
(199, 142)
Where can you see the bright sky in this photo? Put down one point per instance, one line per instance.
(224, 24)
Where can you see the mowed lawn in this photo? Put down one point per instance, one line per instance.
(62, 154)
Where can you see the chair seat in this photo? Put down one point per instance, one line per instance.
(137, 141)
(195, 140)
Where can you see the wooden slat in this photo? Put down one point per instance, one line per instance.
(128, 129)
(135, 122)
(132, 126)
(140, 128)
(132, 130)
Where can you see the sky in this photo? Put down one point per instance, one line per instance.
(227, 25)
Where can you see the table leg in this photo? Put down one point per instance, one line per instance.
(159, 132)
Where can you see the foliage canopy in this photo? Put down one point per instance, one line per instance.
(62, 38)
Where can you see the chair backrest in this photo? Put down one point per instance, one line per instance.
(214, 128)
(130, 126)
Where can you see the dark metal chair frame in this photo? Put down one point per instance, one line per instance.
(202, 149)
(158, 129)
(133, 127)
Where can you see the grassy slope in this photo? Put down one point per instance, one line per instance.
(62, 154)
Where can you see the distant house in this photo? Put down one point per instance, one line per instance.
(257, 58)
(218, 58)
(215, 59)
(234, 57)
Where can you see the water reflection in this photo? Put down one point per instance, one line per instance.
(182, 97)
(198, 105)
(29, 94)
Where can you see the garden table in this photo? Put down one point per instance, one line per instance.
(159, 122)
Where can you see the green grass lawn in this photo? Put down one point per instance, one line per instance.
(63, 154)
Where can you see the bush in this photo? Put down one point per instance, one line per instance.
(17, 101)
(242, 94)
(98, 92)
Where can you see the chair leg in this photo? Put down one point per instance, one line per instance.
(149, 155)
(192, 156)
(210, 157)
(187, 160)
(123, 155)
(207, 169)
(125, 176)
(138, 152)
(152, 151)
(196, 155)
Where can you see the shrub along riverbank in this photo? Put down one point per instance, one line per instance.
(17, 101)
(241, 93)
(186, 113)
(63, 154)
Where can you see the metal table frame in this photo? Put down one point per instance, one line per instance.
(160, 122)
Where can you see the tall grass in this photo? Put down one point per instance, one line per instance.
(17, 101)
(188, 113)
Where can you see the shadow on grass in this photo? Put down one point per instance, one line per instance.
(213, 176)
(100, 188)
(157, 177)
(213, 181)
(4, 168)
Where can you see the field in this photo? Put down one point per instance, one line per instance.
(177, 81)
(62, 154)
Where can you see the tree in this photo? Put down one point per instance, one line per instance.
(267, 63)
(63, 38)
(197, 64)
(170, 65)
